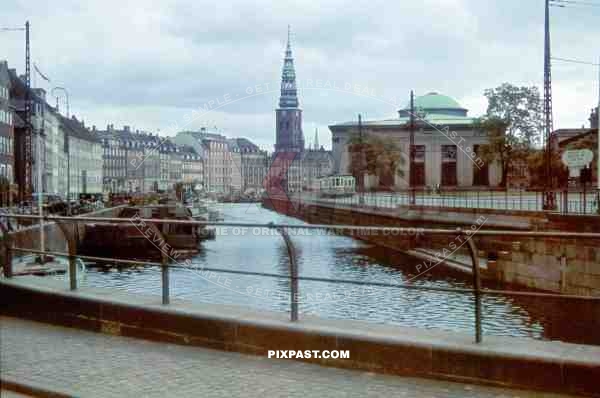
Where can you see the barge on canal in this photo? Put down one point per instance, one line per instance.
(148, 241)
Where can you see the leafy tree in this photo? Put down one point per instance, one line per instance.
(536, 162)
(374, 155)
(514, 124)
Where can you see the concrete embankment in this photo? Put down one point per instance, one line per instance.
(562, 265)
(501, 361)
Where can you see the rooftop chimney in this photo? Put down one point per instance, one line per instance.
(126, 128)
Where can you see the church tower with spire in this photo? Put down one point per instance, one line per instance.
(289, 136)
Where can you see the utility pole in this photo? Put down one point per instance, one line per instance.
(361, 175)
(27, 188)
(549, 199)
(411, 176)
(598, 137)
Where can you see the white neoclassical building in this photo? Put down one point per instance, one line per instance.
(447, 143)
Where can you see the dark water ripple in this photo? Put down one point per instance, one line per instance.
(337, 257)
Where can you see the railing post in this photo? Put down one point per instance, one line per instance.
(71, 238)
(521, 198)
(7, 243)
(164, 270)
(476, 282)
(293, 274)
(72, 258)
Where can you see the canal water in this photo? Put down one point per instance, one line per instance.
(329, 256)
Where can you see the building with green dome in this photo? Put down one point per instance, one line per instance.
(447, 142)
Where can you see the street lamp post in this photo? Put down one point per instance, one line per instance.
(411, 161)
(67, 150)
(361, 175)
(64, 90)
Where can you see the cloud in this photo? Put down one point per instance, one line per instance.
(147, 65)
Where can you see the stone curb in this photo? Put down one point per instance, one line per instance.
(31, 389)
(555, 367)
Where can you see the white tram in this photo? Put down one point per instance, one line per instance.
(337, 186)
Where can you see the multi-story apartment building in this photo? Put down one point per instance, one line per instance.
(165, 150)
(214, 149)
(41, 115)
(7, 160)
(230, 165)
(138, 161)
(55, 166)
(114, 160)
(175, 166)
(192, 169)
(84, 150)
(253, 165)
(151, 160)
(217, 160)
(234, 163)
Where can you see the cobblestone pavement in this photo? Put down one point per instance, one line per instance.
(89, 364)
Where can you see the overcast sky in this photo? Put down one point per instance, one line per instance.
(149, 65)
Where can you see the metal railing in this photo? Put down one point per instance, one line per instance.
(477, 291)
(568, 202)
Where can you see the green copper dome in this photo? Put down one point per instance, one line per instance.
(437, 104)
(436, 101)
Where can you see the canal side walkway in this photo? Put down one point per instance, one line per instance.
(86, 364)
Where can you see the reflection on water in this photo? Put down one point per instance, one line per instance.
(338, 257)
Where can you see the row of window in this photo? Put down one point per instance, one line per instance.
(6, 117)
(6, 145)
(6, 171)
(4, 92)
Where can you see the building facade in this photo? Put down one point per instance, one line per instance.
(7, 160)
(135, 161)
(114, 161)
(84, 149)
(192, 173)
(214, 150)
(253, 165)
(55, 170)
(447, 143)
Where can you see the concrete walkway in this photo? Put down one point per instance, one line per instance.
(86, 364)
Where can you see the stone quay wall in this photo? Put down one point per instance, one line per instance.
(562, 265)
